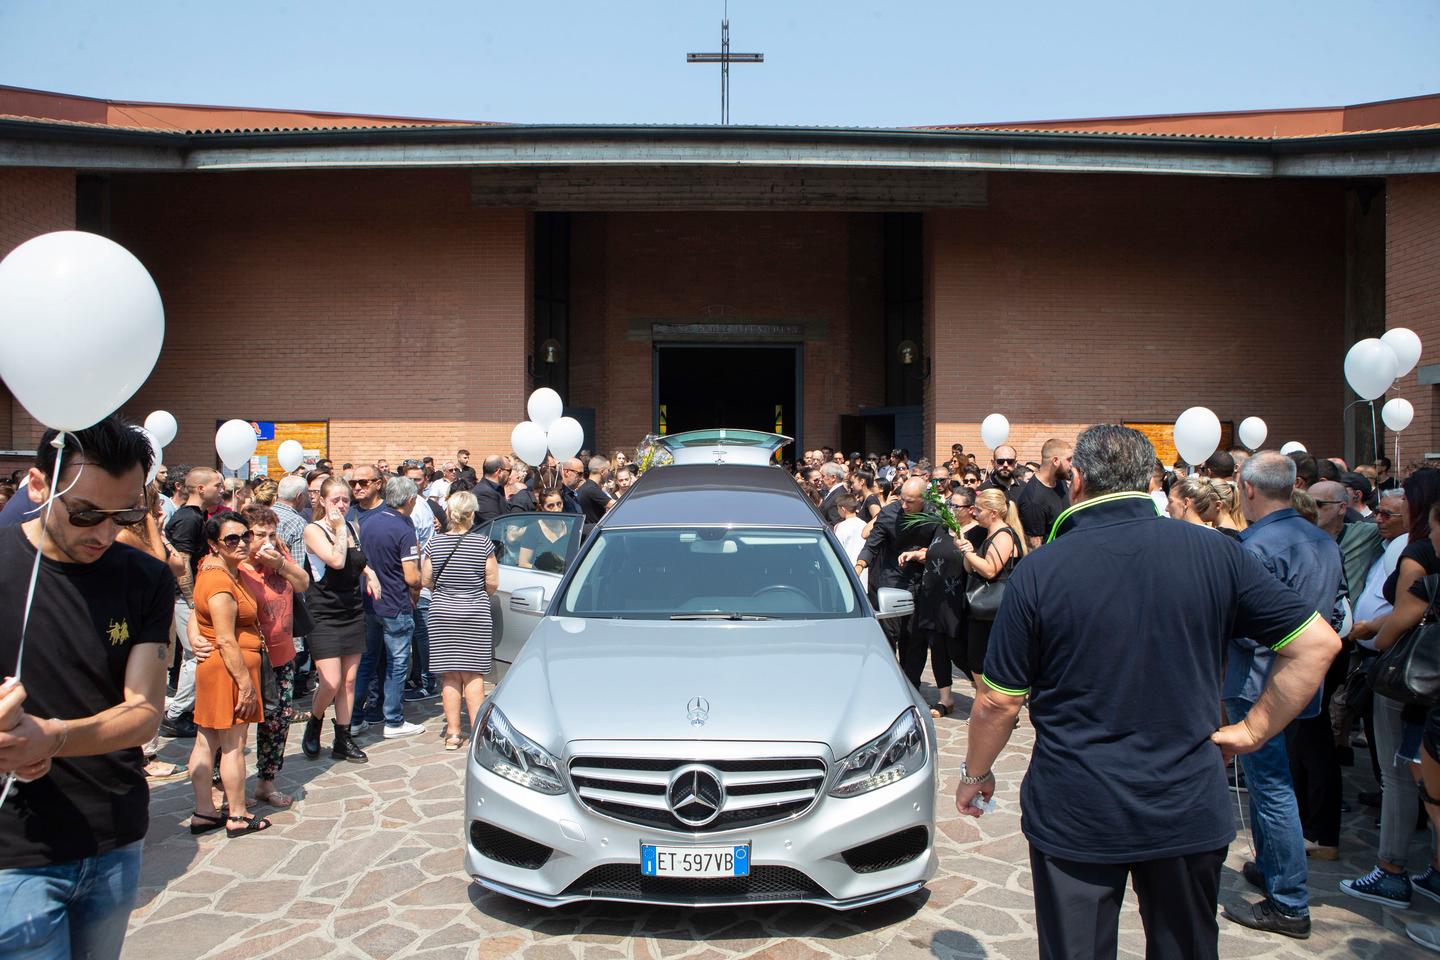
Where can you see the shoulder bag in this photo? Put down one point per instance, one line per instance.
(1410, 670)
(983, 596)
(435, 580)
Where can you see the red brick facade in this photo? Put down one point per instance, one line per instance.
(1412, 298)
(32, 202)
(1072, 300)
(381, 302)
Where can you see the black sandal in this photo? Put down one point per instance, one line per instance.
(252, 823)
(941, 709)
(200, 823)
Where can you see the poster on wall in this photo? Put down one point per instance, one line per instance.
(1162, 437)
(312, 435)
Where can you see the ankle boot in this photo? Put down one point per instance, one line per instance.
(345, 746)
(310, 743)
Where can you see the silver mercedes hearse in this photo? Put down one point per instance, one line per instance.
(708, 713)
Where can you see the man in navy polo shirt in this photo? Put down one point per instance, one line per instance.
(1307, 559)
(392, 551)
(1115, 631)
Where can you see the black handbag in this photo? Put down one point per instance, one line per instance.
(269, 686)
(1409, 671)
(983, 596)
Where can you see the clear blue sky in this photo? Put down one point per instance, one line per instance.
(828, 62)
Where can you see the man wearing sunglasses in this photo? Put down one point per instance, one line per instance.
(1002, 470)
(93, 684)
(186, 533)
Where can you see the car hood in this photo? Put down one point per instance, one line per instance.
(827, 681)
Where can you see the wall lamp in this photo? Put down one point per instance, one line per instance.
(914, 365)
(549, 356)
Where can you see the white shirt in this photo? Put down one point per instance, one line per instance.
(851, 537)
(1371, 602)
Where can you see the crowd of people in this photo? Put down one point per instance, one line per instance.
(362, 588)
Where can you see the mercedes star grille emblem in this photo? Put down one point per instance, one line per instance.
(695, 795)
(697, 711)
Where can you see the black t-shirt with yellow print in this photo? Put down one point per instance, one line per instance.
(84, 623)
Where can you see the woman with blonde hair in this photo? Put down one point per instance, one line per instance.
(993, 560)
(460, 570)
(1231, 516)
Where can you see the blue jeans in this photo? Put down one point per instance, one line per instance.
(1275, 821)
(78, 909)
(384, 665)
(420, 663)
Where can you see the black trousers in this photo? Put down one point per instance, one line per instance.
(1077, 906)
(946, 653)
(909, 645)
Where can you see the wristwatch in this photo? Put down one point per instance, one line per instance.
(970, 781)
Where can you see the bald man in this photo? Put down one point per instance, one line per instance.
(891, 536)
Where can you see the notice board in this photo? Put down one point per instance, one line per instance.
(1162, 436)
(312, 435)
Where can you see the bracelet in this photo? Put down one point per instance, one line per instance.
(968, 780)
(64, 736)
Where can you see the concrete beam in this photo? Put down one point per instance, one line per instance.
(89, 156)
(1365, 163)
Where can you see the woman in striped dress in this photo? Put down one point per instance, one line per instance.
(460, 570)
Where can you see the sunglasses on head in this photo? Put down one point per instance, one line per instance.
(235, 539)
(93, 518)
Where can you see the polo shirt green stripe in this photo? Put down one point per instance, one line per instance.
(1297, 631)
(1005, 690)
(1106, 498)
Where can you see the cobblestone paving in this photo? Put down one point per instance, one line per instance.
(368, 864)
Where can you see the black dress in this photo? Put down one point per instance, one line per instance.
(336, 604)
(940, 606)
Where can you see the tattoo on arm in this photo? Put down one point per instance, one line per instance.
(160, 651)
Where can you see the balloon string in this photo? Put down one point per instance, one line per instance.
(49, 505)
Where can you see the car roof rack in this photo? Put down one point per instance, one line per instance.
(724, 445)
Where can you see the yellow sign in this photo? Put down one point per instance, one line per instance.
(312, 435)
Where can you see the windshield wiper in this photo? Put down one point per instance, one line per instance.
(717, 616)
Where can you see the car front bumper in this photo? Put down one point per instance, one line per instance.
(594, 857)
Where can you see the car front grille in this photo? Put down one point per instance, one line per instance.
(623, 881)
(756, 791)
(887, 852)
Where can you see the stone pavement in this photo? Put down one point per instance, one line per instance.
(369, 865)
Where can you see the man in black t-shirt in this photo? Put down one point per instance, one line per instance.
(186, 533)
(590, 495)
(1002, 471)
(1046, 496)
(1116, 632)
(93, 676)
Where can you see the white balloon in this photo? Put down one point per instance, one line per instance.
(1294, 446)
(544, 407)
(156, 454)
(1397, 414)
(235, 442)
(1197, 434)
(1406, 346)
(994, 430)
(529, 443)
(162, 424)
(82, 325)
(566, 437)
(290, 454)
(1370, 368)
(1252, 431)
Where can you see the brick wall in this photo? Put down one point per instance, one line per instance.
(1072, 300)
(32, 202)
(822, 269)
(381, 302)
(1412, 298)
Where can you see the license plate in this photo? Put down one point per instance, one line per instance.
(727, 861)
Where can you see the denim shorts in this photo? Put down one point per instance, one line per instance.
(1432, 734)
(1411, 735)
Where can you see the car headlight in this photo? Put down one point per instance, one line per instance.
(504, 751)
(892, 756)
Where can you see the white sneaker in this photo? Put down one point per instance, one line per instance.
(406, 729)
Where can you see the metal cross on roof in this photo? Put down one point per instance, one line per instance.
(725, 58)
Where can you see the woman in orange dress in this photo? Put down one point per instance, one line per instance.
(227, 685)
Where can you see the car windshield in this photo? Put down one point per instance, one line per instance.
(701, 573)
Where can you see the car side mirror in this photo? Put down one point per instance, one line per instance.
(528, 599)
(891, 603)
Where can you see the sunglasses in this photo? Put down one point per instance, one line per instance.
(1005, 462)
(235, 539)
(1330, 503)
(93, 518)
(363, 483)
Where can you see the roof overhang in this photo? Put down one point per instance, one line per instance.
(44, 144)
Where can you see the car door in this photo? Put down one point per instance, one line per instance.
(527, 558)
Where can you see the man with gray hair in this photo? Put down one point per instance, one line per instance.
(392, 551)
(832, 482)
(1304, 558)
(1115, 631)
(291, 496)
